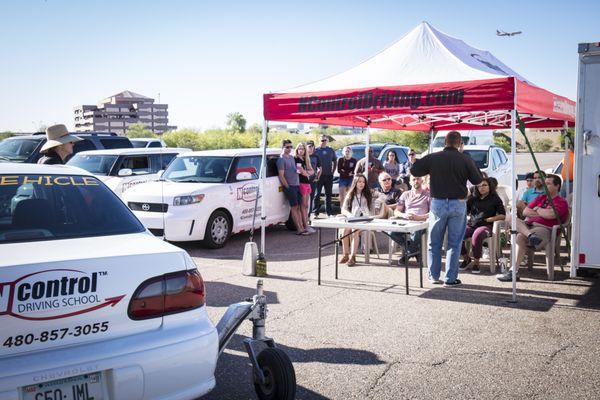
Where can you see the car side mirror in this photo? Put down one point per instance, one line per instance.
(243, 176)
(125, 172)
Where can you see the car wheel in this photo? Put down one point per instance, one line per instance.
(280, 378)
(218, 230)
(290, 223)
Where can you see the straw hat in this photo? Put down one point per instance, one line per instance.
(57, 135)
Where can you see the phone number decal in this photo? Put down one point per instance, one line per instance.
(56, 334)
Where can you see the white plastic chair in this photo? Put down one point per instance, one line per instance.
(552, 250)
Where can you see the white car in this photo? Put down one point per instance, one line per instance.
(493, 161)
(92, 306)
(469, 138)
(209, 195)
(139, 143)
(121, 169)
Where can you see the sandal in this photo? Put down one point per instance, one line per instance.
(344, 259)
(352, 261)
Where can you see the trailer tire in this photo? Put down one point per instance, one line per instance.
(279, 375)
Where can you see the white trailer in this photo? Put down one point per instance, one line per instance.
(585, 251)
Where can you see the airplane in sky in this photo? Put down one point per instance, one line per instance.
(502, 33)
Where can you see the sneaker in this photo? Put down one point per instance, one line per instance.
(456, 282)
(506, 277)
(475, 269)
(402, 261)
(434, 281)
(533, 240)
(465, 264)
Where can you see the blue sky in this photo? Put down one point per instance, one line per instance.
(208, 58)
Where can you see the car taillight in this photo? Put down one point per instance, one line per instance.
(581, 258)
(167, 294)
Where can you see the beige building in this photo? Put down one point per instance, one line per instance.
(116, 113)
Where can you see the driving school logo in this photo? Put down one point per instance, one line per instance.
(53, 294)
(248, 192)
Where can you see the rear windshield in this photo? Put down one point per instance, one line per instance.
(479, 156)
(18, 149)
(47, 207)
(358, 151)
(198, 169)
(95, 164)
(116, 143)
(440, 141)
(138, 144)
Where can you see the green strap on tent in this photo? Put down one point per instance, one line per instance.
(543, 175)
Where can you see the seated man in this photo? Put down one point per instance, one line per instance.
(412, 205)
(387, 195)
(531, 194)
(536, 230)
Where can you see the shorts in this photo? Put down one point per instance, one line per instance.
(541, 231)
(292, 193)
(305, 189)
(345, 182)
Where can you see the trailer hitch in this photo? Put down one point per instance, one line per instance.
(255, 310)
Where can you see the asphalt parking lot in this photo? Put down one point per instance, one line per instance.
(362, 337)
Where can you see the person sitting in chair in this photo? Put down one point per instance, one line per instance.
(536, 230)
(483, 209)
(412, 205)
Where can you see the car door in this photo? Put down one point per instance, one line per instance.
(243, 192)
(141, 172)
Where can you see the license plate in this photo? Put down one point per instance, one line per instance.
(82, 387)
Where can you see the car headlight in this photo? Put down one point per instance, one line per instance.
(185, 200)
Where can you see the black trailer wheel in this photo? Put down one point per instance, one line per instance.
(280, 378)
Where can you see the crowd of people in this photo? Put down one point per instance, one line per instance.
(445, 188)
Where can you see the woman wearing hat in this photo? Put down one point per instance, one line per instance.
(58, 146)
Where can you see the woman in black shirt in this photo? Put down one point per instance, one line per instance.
(484, 207)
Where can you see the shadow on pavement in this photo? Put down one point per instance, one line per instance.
(222, 294)
(491, 296)
(234, 371)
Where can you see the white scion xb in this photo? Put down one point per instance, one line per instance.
(91, 305)
(209, 195)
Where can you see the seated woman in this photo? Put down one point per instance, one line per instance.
(357, 203)
(484, 207)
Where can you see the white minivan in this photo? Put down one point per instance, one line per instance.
(209, 195)
(121, 169)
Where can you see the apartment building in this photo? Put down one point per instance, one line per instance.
(116, 113)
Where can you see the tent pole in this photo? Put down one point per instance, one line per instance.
(367, 148)
(263, 177)
(513, 209)
(566, 165)
(431, 133)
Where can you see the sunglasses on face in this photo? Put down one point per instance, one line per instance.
(289, 147)
(323, 140)
(386, 179)
(412, 154)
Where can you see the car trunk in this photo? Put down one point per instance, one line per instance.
(69, 291)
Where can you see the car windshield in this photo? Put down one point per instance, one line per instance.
(479, 156)
(17, 149)
(47, 207)
(202, 169)
(358, 151)
(95, 164)
(440, 141)
(139, 143)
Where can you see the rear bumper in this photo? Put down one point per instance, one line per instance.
(174, 362)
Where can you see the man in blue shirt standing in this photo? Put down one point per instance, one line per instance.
(328, 166)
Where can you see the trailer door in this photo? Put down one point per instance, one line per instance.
(587, 163)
